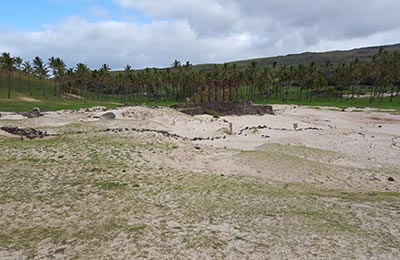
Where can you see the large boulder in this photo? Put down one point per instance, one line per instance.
(35, 112)
(225, 108)
(108, 115)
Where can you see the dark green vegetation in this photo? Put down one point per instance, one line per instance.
(363, 77)
(337, 58)
(118, 201)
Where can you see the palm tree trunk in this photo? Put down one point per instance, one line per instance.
(55, 88)
(61, 88)
(42, 86)
(371, 96)
(9, 86)
(30, 86)
(391, 93)
(19, 82)
(341, 94)
(300, 93)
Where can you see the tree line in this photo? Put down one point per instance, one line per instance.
(376, 79)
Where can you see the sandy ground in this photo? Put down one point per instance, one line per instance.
(165, 185)
(29, 99)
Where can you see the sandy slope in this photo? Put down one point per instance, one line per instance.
(362, 148)
(158, 184)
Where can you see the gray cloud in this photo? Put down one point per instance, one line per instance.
(210, 31)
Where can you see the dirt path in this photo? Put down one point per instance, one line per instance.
(29, 99)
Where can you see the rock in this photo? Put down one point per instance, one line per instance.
(35, 112)
(390, 179)
(108, 115)
(93, 109)
(30, 133)
(225, 108)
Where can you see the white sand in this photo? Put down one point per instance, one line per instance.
(359, 140)
(283, 193)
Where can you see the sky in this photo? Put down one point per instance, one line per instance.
(153, 33)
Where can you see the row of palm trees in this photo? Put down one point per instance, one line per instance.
(379, 76)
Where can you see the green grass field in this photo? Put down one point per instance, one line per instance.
(46, 100)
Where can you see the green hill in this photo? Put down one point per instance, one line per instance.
(320, 58)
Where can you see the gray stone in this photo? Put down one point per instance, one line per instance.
(108, 115)
(35, 112)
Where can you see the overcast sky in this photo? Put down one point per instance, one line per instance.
(153, 33)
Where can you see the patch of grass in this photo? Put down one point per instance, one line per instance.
(51, 104)
(213, 113)
(112, 185)
(136, 228)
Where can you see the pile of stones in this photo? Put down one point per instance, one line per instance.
(29, 133)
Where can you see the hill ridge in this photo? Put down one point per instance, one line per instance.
(337, 57)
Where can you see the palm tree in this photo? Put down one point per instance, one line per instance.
(53, 66)
(40, 71)
(28, 70)
(176, 79)
(104, 77)
(127, 81)
(82, 72)
(18, 63)
(396, 71)
(381, 72)
(8, 65)
(176, 64)
(252, 72)
(340, 78)
(61, 67)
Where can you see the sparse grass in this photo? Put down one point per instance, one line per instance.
(214, 114)
(92, 195)
(136, 228)
(50, 104)
(112, 185)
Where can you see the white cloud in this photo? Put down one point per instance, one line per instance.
(120, 43)
(210, 31)
(99, 12)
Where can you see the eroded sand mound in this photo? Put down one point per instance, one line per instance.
(225, 108)
(154, 183)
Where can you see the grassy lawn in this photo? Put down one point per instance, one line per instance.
(18, 103)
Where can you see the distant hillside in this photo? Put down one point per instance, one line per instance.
(320, 58)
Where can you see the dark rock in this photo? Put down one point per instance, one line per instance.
(35, 112)
(390, 179)
(225, 108)
(30, 133)
(108, 115)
